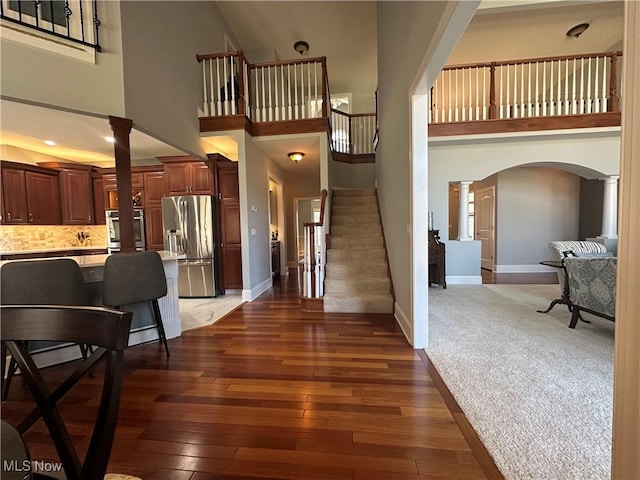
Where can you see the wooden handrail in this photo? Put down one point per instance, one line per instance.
(323, 200)
(208, 56)
(533, 60)
(351, 115)
(289, 62)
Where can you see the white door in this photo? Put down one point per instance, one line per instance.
(485, 225)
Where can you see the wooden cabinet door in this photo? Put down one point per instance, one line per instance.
(201, 179)
(77, 197)
(43, 198)
(176, 178)
(153, 187)
(154, 234)
(98, 201)
(229, 221)
(14, 197)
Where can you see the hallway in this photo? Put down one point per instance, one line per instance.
(273, 392)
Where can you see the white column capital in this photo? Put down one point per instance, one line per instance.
(610, 179)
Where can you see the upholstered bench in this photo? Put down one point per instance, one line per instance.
(592, 286)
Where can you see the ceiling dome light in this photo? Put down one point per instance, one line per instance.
(301, 47)
(110, 139)
(295, 156)
(51, 143)
(577, 30)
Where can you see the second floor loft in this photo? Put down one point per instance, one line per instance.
(496, 97)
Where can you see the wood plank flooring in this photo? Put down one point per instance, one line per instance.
(271, 392)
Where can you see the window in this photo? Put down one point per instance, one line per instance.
(52, 11)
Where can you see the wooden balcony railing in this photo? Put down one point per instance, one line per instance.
(353, 133)
(529, 88)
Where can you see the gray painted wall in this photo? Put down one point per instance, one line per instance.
(534, 206)
(346, 175)
(36, 75)
(298, 187)
(405, 30)
(162, 79)
(591, 154)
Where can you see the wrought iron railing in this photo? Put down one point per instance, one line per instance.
(535, 87)
(73, 20)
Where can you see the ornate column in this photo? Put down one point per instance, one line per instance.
(463, 215)
(610, 207)
(626, 384)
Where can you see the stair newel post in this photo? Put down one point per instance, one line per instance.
(614, 102)
(312, 260)
(492, 91)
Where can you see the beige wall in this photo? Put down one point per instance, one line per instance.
(36, 75)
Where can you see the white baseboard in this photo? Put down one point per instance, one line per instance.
(523, 269)
(404, 322)
(464, 280)
(255, 292)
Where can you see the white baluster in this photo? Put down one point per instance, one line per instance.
(582, 99)
(264, 96)
(537, 99)
(449, 96)
(605, 100)
(212, 103)
(204, 88)
(522, 90)
(529, 104)
(544, 89)
(284, 106)
(309, 114)
(508, 99)
(484, 93)
(295, 90)
(462, 103)
(225, 86)
(442, 89)
(219, 102)
(573, 88)
(501, 93)
(558, 105)
(455, 109)
(276, 105)
(589, 99)
(318, 112)
(247, 93)
(566, 87)
(477, 109)
(269, 93)
(595, 87)
(232, 79)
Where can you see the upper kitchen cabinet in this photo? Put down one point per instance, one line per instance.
(110, 185)
(30, 195)
(187, 176)
(77, 192)
(98, 198)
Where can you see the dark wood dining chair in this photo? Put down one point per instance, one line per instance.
(108, 331)
(136, 277)
(56, 281)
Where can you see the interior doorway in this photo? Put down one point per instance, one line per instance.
(485, 201)
(277, 221)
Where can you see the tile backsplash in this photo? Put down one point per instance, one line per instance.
(33, 237)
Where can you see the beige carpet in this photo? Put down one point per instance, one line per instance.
(538, 393)
(356, 278)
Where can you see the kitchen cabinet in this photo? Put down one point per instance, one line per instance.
(153, 192)
(98, 199)
(110, 186)
(188, 178)
(76, 192)
(30, 195)
(230, 248)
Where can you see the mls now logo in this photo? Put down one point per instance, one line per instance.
(36, 466)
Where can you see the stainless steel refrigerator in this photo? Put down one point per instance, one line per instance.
(188, 224)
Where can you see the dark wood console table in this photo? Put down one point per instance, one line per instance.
(564, 297)
(436, 260)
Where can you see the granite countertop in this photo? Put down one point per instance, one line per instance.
(46, 250)
(98, 260)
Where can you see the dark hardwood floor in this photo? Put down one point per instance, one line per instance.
(526, 278)
(271, 392)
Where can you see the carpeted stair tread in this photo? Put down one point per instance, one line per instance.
(361, 303)
(357, 268)
(347, 285)
(354, 192)
(356, 274)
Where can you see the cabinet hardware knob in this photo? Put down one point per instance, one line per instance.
(31, 217)
(8, 215)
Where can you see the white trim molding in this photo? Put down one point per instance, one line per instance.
(255, 292)
(404, 322)
(464, 280)
(523, 269)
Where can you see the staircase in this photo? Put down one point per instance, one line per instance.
(356, 279)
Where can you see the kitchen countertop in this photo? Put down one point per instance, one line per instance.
(46, 250)
(98, 260)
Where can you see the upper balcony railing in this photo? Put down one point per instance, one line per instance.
(276, 92)
(73, 20)
(529, 88)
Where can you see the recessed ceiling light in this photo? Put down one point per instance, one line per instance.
(110, 139)
(51, 143)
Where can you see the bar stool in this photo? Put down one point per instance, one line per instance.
(56, 281)
(136, 277)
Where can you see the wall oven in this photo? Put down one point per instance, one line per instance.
(113, 229)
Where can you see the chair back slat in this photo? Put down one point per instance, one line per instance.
(106, 328)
